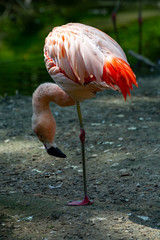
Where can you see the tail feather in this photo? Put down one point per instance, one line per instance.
(116, 72)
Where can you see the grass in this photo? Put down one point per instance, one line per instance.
(22, 40)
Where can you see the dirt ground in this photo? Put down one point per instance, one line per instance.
(122, 151)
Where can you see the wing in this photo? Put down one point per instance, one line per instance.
(88, 57)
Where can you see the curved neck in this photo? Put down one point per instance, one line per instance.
(50, 92)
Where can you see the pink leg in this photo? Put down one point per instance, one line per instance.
(86, 200)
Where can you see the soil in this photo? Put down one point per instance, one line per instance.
(122, 153)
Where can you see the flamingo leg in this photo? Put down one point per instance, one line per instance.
(82, 139)
(86, 200)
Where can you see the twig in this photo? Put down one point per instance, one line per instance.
(114, 16)
(143, 59)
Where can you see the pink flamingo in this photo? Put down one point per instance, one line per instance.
(82, 60)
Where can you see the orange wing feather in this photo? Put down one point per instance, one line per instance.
(117, 72)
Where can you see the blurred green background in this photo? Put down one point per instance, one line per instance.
(24, 24)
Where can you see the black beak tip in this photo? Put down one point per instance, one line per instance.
(54, 151)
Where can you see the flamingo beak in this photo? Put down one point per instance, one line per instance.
(54, 151)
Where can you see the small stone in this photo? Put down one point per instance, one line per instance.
(95, 124)
(106, 142)
(109, 160)
(17, 226)
(120, 138)
(55, 187)
(74, 167)
(120, 115)
(36, 170)
(115, 165)
(107, 150)
(144, 218)
(142, 195)
(94, 155)
(12, 192)
(124, 174)
(132, 128)
(29, 218)
(123, 170)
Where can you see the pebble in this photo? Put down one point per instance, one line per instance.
(12, 192)
(107, 150)
(74, 167)
(132, 128)
(124, 174)
(144, 126)
(106, 142)
(120, 138)
(17, 226)
(145, 218)
(115, 165)
(120, 115)
(52, 232)
(95, 124)
(36, 170)
(29, 218)
(123, 170)
(109, 160)
(94, 155)
(55, 187)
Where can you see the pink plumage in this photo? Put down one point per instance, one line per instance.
(83, 60)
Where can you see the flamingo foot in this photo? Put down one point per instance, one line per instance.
(84, 202)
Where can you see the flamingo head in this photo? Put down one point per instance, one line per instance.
(44, 127)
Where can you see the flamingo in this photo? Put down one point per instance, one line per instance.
(81, 60)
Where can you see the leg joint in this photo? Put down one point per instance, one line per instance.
(82, 135)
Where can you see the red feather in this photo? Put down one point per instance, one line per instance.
(117, 72)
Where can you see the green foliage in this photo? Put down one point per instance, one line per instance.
(23, 29)
(151, 38)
